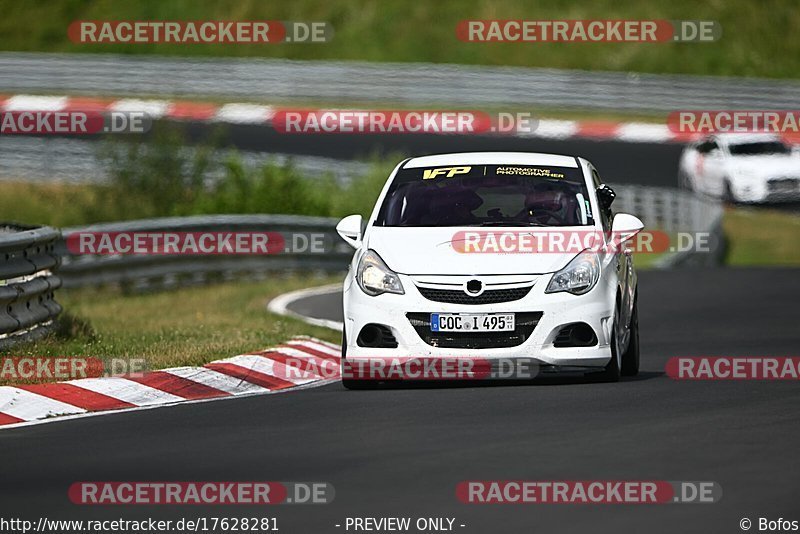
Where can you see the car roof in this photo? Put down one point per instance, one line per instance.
(742, 138)
(492, 158)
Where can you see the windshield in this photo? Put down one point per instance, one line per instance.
(487, 195)
(755, 149)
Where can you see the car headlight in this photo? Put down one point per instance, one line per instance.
(579, 276)
(745, 174)
(374, 277)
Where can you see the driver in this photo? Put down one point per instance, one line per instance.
(547, 207)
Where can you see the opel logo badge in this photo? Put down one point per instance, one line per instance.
(474, 288)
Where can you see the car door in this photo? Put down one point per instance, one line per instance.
(622, 264)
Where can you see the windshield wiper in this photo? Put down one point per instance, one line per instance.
(511, 223)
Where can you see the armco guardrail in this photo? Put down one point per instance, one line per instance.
(27, 283)
(155, 272)
(417, 83)
(675, 211)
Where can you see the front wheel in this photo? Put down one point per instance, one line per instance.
(611, 371)
(354, 383)
(684, 181)
(630, 358)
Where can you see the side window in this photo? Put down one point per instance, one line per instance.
(605, 215)
(707, 146)
(596, 179)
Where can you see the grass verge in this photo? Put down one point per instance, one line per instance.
(158, 178)
(758, 236)
(189, 326)
(759, 38)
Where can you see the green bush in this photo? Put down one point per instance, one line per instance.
(160, 177)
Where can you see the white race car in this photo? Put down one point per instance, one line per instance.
(748, 168)
(413, 291)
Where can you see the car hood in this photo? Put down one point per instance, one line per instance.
(766, 165)
(434, 251)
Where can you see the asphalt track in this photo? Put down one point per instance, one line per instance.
(617, 161)
(401, 452)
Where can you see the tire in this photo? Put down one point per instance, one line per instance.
(684, 182)
(630, 358)
(356, 385)
(352, 383)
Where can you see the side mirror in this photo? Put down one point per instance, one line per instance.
(605, 196)
(625, 227)
(349, 229)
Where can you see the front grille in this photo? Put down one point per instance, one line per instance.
(489, 296)
(783, 185)
(525, 322)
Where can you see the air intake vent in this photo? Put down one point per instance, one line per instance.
(376, 336)
(489, 296)
(575, 335)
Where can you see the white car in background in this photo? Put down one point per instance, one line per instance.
(410, 293)
(747, 168)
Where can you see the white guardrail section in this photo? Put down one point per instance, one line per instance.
(340, 81)
(674, 212)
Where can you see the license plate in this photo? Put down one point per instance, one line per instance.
(472, 322)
